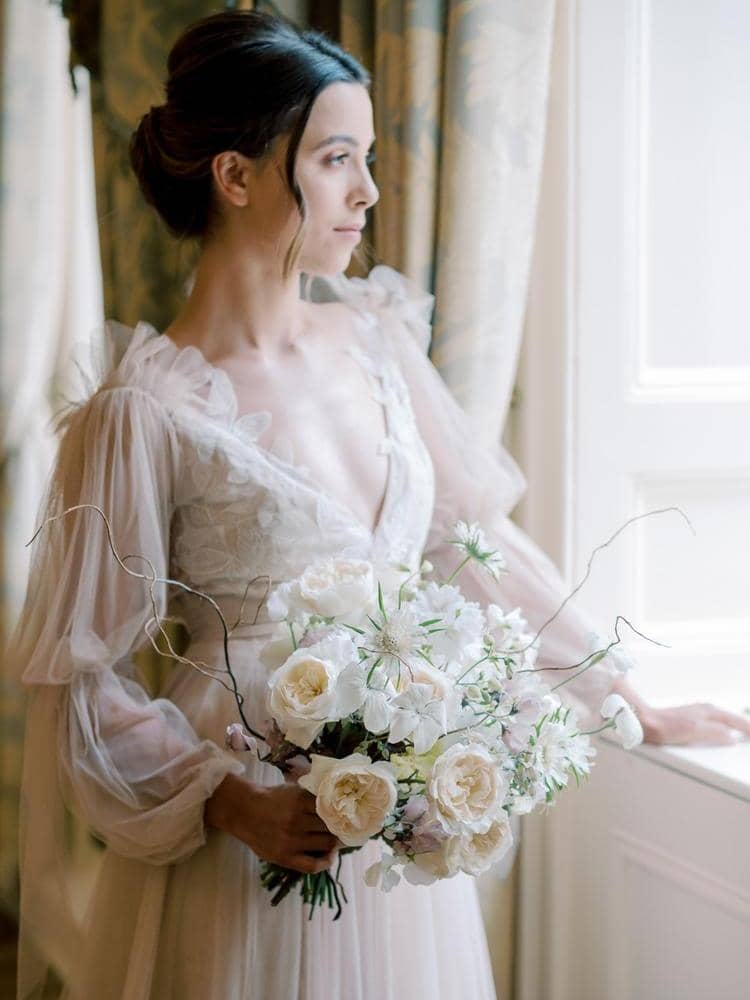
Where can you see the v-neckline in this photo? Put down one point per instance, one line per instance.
(363, 320)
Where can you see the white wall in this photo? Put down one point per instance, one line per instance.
(635, 393)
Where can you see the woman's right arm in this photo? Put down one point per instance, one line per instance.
(131, 765)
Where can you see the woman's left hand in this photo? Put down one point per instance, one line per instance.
(699, 724)
(696, 724)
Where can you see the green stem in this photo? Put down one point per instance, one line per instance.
(457, 570)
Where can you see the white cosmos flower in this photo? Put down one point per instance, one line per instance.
(419, 715)
(627, 726)
(507, 633)
(371, 691)
(459, 632)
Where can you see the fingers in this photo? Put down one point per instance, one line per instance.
(324, 842)
(308, 864)
(307, 803)
(732, 719)
(312, 824)
(710, 733)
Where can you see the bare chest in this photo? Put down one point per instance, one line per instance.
(325, 418)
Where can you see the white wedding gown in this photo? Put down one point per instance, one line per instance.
(178, 910)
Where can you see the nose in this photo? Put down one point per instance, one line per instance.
(366, 193)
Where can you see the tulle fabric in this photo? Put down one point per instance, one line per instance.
(162, 449)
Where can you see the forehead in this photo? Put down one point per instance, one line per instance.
(340, 108)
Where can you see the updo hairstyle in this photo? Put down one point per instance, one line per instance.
(237, 81)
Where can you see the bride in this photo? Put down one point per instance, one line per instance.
(262, 430)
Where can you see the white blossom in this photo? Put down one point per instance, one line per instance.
(627, 726)
(458, 634)
(419, 715)
(472, 540)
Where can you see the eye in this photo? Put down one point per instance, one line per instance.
(338, 159)
(370, 158)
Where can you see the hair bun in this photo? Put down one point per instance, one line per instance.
(237, 80)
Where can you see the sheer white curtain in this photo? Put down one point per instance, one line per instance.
(50, 298)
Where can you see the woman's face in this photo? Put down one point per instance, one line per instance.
(332, 170)
(333, 173)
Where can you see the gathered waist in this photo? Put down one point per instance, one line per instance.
(242, 619)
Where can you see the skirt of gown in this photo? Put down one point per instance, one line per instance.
(204, 929)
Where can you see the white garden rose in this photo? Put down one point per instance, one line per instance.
(474, 853)
(430, 866)
(467, 786)
(440, 684)
(311, 688)
(354, 796)
(329, 588)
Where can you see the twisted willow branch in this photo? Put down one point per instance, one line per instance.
(152, 580)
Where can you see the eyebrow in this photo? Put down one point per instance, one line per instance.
(333, 139)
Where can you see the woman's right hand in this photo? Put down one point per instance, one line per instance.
(277, 822)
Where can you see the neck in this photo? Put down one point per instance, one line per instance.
(239, 302)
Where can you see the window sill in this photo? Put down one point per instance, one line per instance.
(725, 768)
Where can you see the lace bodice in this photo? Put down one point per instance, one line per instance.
(239, 509)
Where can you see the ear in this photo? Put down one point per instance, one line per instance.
(231, 173)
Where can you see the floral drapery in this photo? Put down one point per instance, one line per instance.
(460, 91)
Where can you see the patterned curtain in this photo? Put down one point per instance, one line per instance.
(50, 297)
(460, 92)
(125, 47)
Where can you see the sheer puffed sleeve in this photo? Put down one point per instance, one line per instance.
(475, 485)
(132, 766)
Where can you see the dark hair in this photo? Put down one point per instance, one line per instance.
(237, 80)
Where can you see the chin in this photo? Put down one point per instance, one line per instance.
(324, 256)
(327, 268)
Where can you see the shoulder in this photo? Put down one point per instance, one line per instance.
(397, 305)
(139, 370)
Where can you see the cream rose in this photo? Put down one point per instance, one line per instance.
(467, 787)
(310, 689)
(474, 853)
(354, 796)
(330, 588)
(438, 681)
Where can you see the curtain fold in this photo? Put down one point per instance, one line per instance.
(50, 297)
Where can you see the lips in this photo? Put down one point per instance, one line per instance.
(349, 229)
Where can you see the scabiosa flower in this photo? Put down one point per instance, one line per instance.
(471, 539)
(560, 748)
(396, 638)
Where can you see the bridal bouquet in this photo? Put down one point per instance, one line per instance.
(415, 717)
